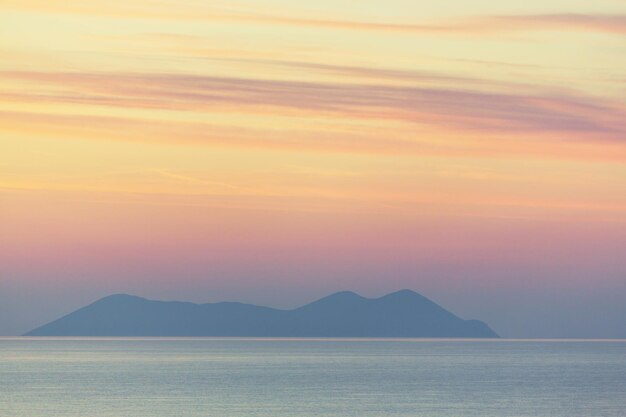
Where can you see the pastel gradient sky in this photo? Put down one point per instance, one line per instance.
(274, 151)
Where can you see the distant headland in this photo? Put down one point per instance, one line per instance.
(403, 313)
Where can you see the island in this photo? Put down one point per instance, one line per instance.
(402, 314)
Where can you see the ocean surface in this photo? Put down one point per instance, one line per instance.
(310, 377)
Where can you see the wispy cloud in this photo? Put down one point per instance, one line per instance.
(461, 109)
(463, 25)
(559, 21)
(476, 25)
(189, 133)
(362, 72)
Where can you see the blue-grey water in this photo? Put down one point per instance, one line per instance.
(252, 377)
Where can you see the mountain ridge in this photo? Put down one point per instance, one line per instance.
(403, 313)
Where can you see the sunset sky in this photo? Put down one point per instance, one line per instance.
(274, 151)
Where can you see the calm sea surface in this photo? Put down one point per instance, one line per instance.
(274, 377)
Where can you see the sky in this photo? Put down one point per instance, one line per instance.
(273, 152)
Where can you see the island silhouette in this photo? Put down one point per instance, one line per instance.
(403, 313)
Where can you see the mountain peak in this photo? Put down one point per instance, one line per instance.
(120, 298)
(405, 293)
(338, 298)
(403, 296)
(344, 295)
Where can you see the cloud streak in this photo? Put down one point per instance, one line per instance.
(477, 25)
(469, 25)
(452, 109)
(615, 24)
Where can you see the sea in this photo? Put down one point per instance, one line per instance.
(221, 377)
